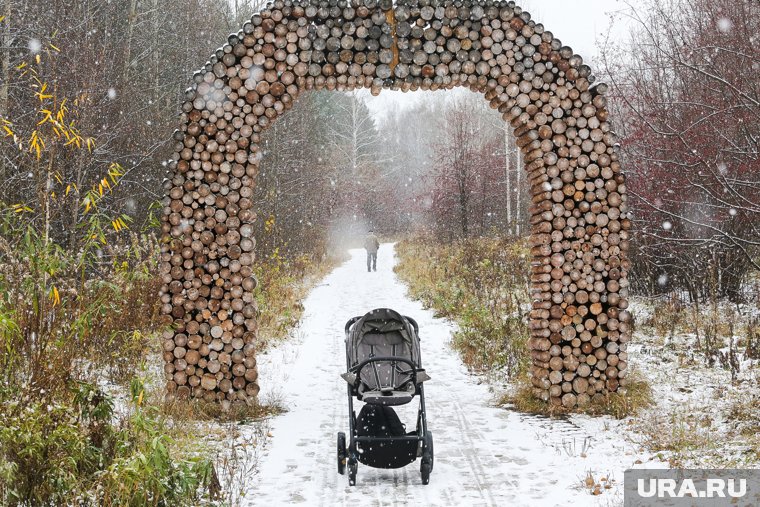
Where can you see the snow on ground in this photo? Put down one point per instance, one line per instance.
(698, 408)
(484, 455)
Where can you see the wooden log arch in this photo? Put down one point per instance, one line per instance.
(579, 325)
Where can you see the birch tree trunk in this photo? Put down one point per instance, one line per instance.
(507, 174)
(518, 194)
(131, 20)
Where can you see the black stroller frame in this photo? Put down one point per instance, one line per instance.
(404, 449)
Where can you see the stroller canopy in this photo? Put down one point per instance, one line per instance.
(383, 333)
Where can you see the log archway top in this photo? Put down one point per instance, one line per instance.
(579, 226)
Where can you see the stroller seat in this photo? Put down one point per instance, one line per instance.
(383, 357)
(387, 397)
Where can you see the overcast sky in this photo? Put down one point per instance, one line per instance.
(577, 23)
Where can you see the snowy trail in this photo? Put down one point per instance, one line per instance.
(483, 455)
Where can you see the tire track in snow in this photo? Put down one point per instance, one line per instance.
(466, 430)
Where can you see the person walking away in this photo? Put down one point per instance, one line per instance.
(371, 244)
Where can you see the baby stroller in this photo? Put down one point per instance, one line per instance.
(384, 370)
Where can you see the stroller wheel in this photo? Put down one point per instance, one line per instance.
(425, 473)
(353, 466)
(428, 451)
(342, 453)
(426, 467)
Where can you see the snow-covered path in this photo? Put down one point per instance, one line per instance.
(483, 455)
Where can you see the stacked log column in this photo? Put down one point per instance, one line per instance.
(579, 225)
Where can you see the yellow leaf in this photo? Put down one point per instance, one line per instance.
(57, 177)
(20, 208)
(47, 116)
(51, 45)
(68, 188)
(115, 170)
(52, 195)
(36, 143)
(2, 18)
(90, 144)
(37, 58)
(55, 296)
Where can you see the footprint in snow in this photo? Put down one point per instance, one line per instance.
(297, 498)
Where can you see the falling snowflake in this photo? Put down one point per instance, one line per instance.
(722, 168)
(662, 280)
(111, 93)
(667, 225)
(732, 212)
(35, 46)
(725, 25)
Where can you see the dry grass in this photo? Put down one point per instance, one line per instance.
(200, 410)
(482, 284)
(637, 396)
(746, 413)
(682, 436)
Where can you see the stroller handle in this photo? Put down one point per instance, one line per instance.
(412, 372)
(353, 320)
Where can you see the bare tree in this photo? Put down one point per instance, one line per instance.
(689, 96)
